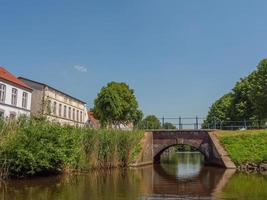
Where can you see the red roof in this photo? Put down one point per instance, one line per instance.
(93, 120)
(4, 74)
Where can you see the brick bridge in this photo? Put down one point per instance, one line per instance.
(156, 142)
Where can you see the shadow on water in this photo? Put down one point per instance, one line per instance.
(182, 177)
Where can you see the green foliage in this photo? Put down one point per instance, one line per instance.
(258, 90)
(168, 125)
(247, 101)
(220, 110)
(116, 104)
(150, 122)
(245, 146)
(35, 146)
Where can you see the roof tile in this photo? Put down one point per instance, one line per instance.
(4, 74)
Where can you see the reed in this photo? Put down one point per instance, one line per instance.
(35, 146)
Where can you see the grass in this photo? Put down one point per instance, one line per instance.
(245, 146)
(30, 147)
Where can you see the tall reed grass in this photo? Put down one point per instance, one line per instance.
(35, 146)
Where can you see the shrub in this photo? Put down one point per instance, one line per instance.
(37, 147)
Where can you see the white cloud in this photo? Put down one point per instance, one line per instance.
(80, 68)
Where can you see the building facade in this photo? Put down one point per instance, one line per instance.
(92, 121)
(57, 106)
(15, 96)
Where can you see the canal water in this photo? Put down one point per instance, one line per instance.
(180, 176)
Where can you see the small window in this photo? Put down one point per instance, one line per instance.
(65, 111)
(81, 116)
(59, 110)
(2, 114)
(2, 93)
(73, 114)
(77, 115)
(14, 97)
(55, 108)
(69, 113)
(24, 99)
(48, 108)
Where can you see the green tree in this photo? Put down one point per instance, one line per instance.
(168, 125)
(220, 110)
(247, 101)
(241, 108)
(116, 104)
(150, 122)
(258, 90)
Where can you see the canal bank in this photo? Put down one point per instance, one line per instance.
(247, 149)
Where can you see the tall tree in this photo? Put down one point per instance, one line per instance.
(258, 90)
(242, 107)
(247, 101)
(116, 104)
(220, 110)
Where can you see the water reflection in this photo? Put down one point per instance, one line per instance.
(184, 178)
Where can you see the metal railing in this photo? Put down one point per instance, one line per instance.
(198, 123)
(183, 122)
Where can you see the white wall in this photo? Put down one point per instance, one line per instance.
(18, 109)
(59, 98)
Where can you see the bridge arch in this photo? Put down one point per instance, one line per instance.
(161, 148)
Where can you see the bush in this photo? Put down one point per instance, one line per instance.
(37, 147)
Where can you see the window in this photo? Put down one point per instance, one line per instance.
(81, 116)
(48, 107)
(14, 96)
(59, 110)
(2, 114)
(69, 113)
(55, 108)
(77, 115)
(65, 111)
(24, 99)
(2, 93)
(73, 114)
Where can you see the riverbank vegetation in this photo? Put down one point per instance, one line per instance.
(246, 104)
(35, 146)
(245, 146)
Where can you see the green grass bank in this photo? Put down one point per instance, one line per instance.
(33, 147)
(244, 147)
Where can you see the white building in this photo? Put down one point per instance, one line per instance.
(15, 96)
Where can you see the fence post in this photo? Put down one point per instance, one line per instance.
(245, 124)
(196, 122)
(180, 123)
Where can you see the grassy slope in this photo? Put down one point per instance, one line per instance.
(245, 146)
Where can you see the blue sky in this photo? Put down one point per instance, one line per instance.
(178, 55)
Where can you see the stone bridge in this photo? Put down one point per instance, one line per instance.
(156, 142)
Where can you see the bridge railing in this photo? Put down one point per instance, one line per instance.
(198, 123)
